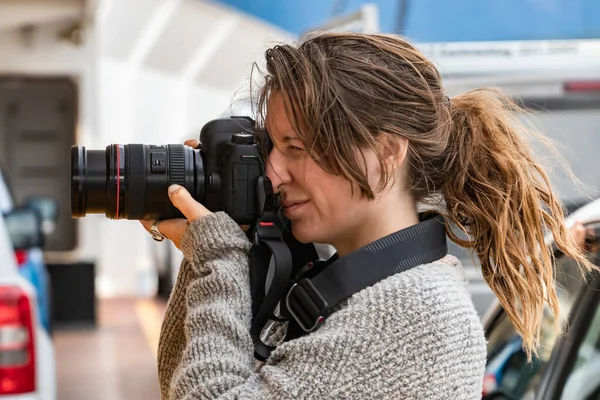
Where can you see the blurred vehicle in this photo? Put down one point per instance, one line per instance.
(27, 364)
(567, 367)
(31, 260)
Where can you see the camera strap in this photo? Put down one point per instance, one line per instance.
(269, 287)
(321, 287)
(267, 236)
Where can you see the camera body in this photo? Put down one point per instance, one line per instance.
(232, 168)
(130, 181)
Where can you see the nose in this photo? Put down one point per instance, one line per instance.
(277, 170)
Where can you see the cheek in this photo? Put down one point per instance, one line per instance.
(331, 194)
(334, 210)
(334, 198)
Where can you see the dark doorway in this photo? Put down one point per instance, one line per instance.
(38, 118)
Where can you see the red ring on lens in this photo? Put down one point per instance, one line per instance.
(118, 180)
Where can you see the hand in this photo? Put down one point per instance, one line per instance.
(174, 229)
(579, 233)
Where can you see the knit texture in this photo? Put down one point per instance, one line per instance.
(414, 335)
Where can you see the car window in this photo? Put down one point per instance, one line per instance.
(583, 382)
(507, 370)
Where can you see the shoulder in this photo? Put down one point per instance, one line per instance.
(429, 292)
(424, 322)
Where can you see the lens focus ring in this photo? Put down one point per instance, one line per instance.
(135, 201)
(177, 165)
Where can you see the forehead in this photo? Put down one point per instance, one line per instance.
(277, 122)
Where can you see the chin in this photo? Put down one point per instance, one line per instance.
(300, 234)
(303, 233)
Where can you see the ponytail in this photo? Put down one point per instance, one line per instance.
(502, 199)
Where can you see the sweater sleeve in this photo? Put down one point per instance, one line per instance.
(346, 358)
(172, 336)
(217, 360)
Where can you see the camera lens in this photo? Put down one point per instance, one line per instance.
(130, 181)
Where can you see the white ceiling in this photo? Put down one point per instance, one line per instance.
(15, 14)
(209, 43)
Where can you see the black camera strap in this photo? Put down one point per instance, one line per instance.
(323, 286)
(271, 238)
(265, 301)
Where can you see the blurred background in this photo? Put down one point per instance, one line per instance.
(96, 72)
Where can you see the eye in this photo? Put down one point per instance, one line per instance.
(264, 143)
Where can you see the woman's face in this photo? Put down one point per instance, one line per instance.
(320, 205)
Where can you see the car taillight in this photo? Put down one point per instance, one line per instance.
(21, 256)
(489, 384)
(582, 86)
(17, 357)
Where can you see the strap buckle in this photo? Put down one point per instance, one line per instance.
(266, 229)
(306, 305)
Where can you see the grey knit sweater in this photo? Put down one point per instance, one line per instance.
(415, 335)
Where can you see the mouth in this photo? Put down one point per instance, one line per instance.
(291, 208)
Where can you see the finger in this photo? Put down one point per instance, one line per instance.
(245, 227)
(183, 200)
(146, 224)
(192, 143)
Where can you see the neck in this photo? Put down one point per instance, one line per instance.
(384, 221)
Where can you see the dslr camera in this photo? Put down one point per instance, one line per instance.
(130, 181)
(225, 173)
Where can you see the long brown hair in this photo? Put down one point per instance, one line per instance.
(467, 155)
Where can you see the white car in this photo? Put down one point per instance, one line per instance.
(27, 363)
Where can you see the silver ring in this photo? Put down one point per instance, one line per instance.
(155, 233)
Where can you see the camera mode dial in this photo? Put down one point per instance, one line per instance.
(242, 138)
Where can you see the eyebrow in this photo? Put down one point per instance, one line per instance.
(286, 139)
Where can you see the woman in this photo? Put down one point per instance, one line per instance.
(363, 135)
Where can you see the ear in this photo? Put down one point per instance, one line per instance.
(394, 150)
